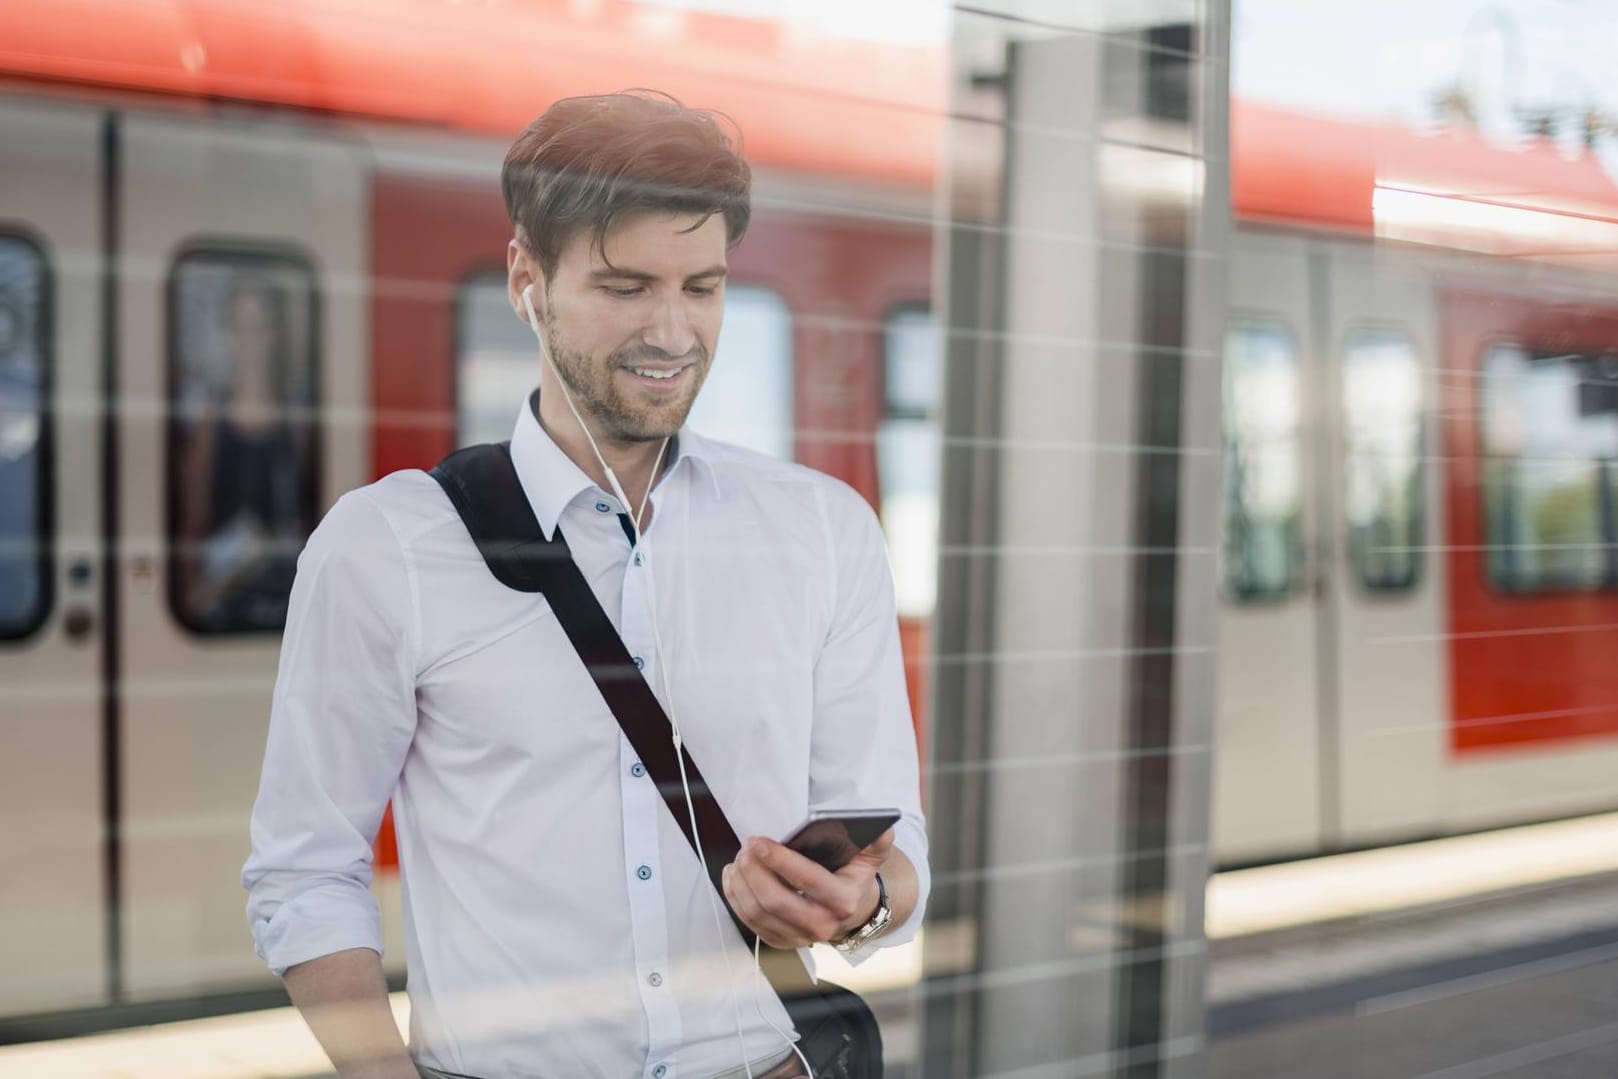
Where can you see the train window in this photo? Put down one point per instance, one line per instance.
(496, 361)
(909, 455)
(1382, 468)
(747, 398)
(24, 483)
(1550, 464)
(244, 435)
(1263, 529)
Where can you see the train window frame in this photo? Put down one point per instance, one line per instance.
(1607, 524)
(888, 412)
(1298, 557)
(281, 257)
(1402, 587)
(45, 439)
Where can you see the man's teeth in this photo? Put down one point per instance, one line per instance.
(656, 374)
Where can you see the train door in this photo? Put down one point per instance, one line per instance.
(1383, 653)
(53, 939)
(1267, 783)
(1531, 501)
(242, 384)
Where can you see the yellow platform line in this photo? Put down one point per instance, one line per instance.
(1248, 901)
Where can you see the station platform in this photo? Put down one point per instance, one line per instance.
(1493, 954)
(1483, 955)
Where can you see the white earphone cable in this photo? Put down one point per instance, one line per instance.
(668, 697)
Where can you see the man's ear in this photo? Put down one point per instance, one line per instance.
(522, 272)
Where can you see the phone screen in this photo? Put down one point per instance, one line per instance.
(833, 838)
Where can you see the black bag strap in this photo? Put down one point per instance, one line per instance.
(482, 483)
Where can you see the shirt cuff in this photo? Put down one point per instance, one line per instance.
(316, 923)
(908, 838)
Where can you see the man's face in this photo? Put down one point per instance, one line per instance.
(632, 326)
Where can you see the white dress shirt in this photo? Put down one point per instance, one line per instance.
(557, 923)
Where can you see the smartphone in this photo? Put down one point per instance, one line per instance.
(833, 836)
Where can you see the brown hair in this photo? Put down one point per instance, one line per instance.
(590, 161)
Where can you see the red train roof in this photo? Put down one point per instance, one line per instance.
(806, 102)
(1449, 187)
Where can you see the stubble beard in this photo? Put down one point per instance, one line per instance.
(609, 411)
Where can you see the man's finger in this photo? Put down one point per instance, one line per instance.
(808, 913)
(801, 874)
(776, 931)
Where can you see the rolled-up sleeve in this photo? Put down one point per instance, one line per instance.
(341, 722)
(864, 744)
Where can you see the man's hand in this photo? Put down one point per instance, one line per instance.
(792, 902)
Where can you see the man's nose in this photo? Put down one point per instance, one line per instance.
(671, 329)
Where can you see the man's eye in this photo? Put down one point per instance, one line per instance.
(697, 290)
(626, 293)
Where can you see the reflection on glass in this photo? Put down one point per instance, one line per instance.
(1550, 432)
(22, 375)
(1263, 541)
(746, 400)
(909, 456)
(1383, 475)
(243, 438)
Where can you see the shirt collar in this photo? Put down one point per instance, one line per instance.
(551, 479)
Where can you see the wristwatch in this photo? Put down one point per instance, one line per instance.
(879, 921)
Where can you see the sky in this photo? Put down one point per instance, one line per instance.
(1388, 59)
(1383, 59)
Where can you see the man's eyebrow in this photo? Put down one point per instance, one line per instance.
(642, 275)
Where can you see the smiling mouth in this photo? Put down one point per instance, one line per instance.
(649, 372)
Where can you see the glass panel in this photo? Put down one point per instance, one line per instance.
(23, 543)
(747, 399)
(1263, 547)
(1550, 431)
(1383, 474)
(244, 436)
(909, 457)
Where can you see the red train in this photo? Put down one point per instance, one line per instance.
(230, 233)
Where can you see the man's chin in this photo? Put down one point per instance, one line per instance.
(645, 429)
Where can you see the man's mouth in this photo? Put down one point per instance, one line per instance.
(656, 372)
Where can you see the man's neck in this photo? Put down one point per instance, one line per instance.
(632, 462)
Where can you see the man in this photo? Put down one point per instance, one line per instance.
(557, 922)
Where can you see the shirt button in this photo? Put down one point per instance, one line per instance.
(644, 872)
(603, 507)
(660, 1071)
(640, 664)
(639, 558)
(654, 979)
(637, 769)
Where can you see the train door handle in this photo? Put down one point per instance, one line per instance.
(77, 624)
